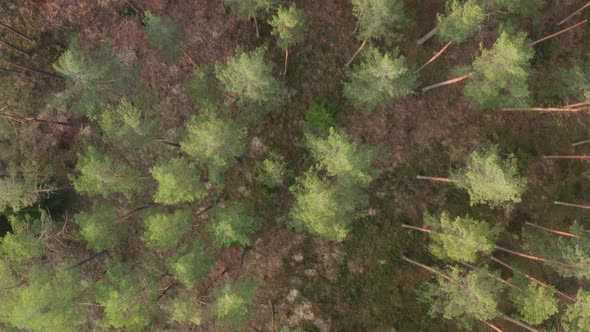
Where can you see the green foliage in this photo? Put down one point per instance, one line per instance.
(571, 82)
(178, 182)
(575, 252)
(127, 298)
(126, 125)
(577, 316)
(213, 142)
(461, 239)
(248, 78)
(200, 87)
(101, 175)
(524, 8)
(23, 244)
(469, 297)
(491, 180)
(321, 116)
(17, 193)
(184, 309)
(289, 25)
(233, 224)
(99, 227)
(233, 304)
(501, 74)
(271, 172)
(462, 20)
(249, 8)
(535, 304)
(164, 230)
(193, 266)
(378, 80)
(164, 35)
(48, 302)
(377, 18)
(87, 74)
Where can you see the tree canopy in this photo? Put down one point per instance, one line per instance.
(99, 227)
(233, 224)
(377, 18)
(178, 182)
(164, 230)
(577, 315)
(535, 303)
(462, 20)
(127, 125)
(233, 303)
(289, 25)
(165, 35)
(192, 266)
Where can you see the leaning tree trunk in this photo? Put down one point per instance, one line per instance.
(437, 179)
(16, 31)
(34, 70)
(439, 53)
(573, 14)
(286, 60)
(554, 231)
(583, 157)
(429, 35)
(448, 82)
(356, 53)
(256, 25)
(14, 47)
(587, 207)
(31, 119)
(558, 33)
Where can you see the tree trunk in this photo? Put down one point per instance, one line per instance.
(86, 260)
(558, 33)
(587, 207)
(431, 178)
(425, 230)
(519, 323)
(451, 81)
(38, 71)
(130, 213)
(581, 142)
(567, 157)
(554, 231)
(356, 53)
(429, 35)
(22, 119)
(286, 60)
(428, 268)
(543, 109)
(534, 279)
(540, 259)
(50, 190)
(16, 31)
(493, 276)
(573, 14)
(492, 326)
(18, 49)
(580, 104)
(256, 25)
(176, 145)
(439, 53)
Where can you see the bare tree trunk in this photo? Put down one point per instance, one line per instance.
(428, 268)
(431, 178)
(554, 231)
(566, 157)
(521, 324)
(22, 119)
(558, 33)
(425, 230)
(130, 213)
(356, 53)
(581, 142)
(451, 81)
(38, 71)
(439, 53)
(493, 276)
(86, 260)
(429, 35)
(534, 279)
(540, 259)
(18, 49)
(492, 326)
(580, 104)
(573, 14)
(286, 60)
(587, 207)
(542, 109)
(176, 145)
(16, 31)
(256, 25)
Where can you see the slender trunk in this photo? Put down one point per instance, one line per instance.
(573, 14)
(519, 323)
(554, 231)
(356, 53)
(272, 312)
(534, 279)
(581, 142)
(431, 178)
(168, 143)
(256, 25)
(558, 33)
(493, 276)
(567, 157)
(580, 104)
(428, 268)
(356, 28)
(189, 57)
(286, 60)
(132, 6)
(22, 119)
(535, 258)
(542, 109)
(16, 31)
(50, 190)
(201, 293)
(38, 71)
(439, 53)
(587, 207)
(18, 49)
(86, 260)
(169, 287)
(448, 82)
(429, 35)
(132, 212)
(492, 326)
(12, 71)
(425, 230)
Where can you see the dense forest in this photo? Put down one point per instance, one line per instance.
(305, 165)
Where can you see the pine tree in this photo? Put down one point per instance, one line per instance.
(577, 316)
(164, 35)
(233, 303)
(462, 20)
(233, 224)
(99, 227)
(23, 244)
(193, 265)
(184, 309)
(461, 239)
(178, 182)
(501, 74)
(465, 298)
(213, 142)
(320, 117)
(17, 193)
(575, 253)
(271, 172)
(490, 180)
(164, 230)
(250, 9)
(534, 303)
(126, 125)
(128, 298)
(378, 80)
(101, 175)
(201, 88)
(88, 74)
(248, 78)
(289, 25)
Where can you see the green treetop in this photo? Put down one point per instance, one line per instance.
(469, 297)
(462, 20)
(378, 80)
(128, 298)
(164, 35)
(501, 74)
(101, 175)
(17, 193)
(213, 142)
(248, 78)
(24, 242)
(233, 224)
(575, 252)
(250, 9)
(164, 230)
(461, 239)
(178, 182)
(233, 303)
(271, 172)
(491, 180)
(192, 266)
(88, 73)
(535, 304)
(289, 25)
(126, 125)
(99, 227)
(577, 316)
(184, 309)
(377, 18)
